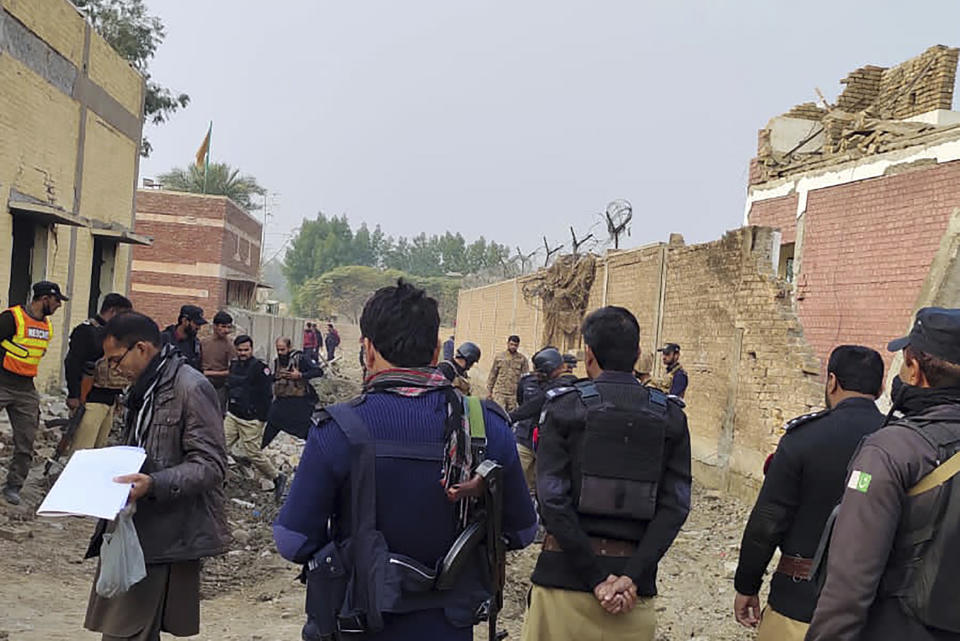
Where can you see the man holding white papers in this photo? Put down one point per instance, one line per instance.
(173, 413)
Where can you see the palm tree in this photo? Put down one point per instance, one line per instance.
(221, 180)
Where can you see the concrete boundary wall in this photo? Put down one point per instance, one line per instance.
(265, 329)
(743, 347)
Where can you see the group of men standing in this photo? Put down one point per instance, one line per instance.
(864, 507)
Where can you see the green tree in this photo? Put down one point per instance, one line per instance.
(135, 35)
(344, 291)
(321, 245)
(221, 180)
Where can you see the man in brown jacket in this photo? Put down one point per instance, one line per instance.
(173, 413)
(505, 373)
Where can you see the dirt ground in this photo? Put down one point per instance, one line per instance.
(251, 594)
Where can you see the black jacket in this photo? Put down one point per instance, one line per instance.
(560, 451)
(250, 389)
(189, 347)
(86, 348)
(803, 484)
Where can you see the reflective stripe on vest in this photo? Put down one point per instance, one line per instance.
(23, 351)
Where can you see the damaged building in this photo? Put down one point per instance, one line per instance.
(862, 192)
(852, 221)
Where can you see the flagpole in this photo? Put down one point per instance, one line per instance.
(206, 164)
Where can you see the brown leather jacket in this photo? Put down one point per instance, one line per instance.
(182, 517)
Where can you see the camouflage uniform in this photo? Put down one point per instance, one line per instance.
(504, 375)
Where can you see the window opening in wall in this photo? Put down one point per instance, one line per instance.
(785, 269)
(101, 280)
(28, 261)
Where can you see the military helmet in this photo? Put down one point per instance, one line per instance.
(469, 352)
(547, 360)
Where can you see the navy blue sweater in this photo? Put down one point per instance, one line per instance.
(412, 511)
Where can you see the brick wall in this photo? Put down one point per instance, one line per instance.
(743, 346)
(919, 85)
(867, 247)
(780, 213)
(199, 243)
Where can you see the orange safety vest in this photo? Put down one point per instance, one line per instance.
(23, 351)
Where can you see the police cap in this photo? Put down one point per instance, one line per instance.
(936, 331)
(669, 348)
(193, 313)
(46, 288)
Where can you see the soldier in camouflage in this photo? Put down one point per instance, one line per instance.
(505, 373)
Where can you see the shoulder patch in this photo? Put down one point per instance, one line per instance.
(802, 420)
(677, 400)
(559, 391)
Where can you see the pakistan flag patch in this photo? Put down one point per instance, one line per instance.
(859, 481)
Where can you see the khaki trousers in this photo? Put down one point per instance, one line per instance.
(567, 615)
(94, 427)
(507, 401)
(247, 434)
(23, 409)
(776, 627)
(528, 461)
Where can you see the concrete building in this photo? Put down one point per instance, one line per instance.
(70, 126)
(206, 252)
(862, 192)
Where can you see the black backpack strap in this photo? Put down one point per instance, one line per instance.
(589, 393)
(363, 505)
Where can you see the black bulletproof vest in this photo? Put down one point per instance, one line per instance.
(621, 457)
(528, 387)
(352, 582)
(238, 387)
(924, 566)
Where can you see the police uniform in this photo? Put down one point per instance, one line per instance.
(893, 564)
(504, 376)
(613, 470)
(531, 395)
(85, 358)
(803, 483)
(249, 390)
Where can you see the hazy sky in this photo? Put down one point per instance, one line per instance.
(510, 119)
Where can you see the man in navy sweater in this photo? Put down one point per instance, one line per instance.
(405, 400)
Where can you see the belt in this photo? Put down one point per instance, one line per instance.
(601, 546)
(795, 567)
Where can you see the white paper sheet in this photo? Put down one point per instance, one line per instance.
(86, 486)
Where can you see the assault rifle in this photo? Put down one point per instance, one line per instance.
(69, 425)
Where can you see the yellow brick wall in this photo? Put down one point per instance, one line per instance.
(114, 74)
(39, 127)
(57, 22)
(108, 186)
(737, 401)
(39, 138)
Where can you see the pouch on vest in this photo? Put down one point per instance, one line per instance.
(928, 556)
(353, 582)
(622, 456)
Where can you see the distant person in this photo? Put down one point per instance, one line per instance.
(332, 341)
(173, 414)
(802, 485)
(294, 398)
(183, 335)
(674, 382)
(84, 362)
(448, 349)
(250, 387)
(218, 352)
(570, 361)
(311, 341)
(25, 333)
(505, 373)
(455, 369)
